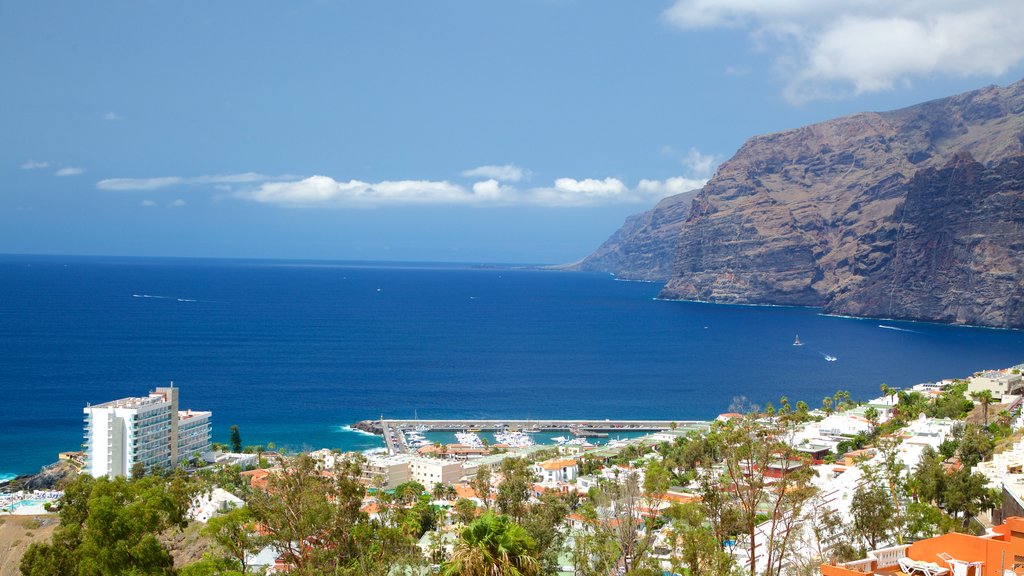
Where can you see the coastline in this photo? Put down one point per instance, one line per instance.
(832, 315)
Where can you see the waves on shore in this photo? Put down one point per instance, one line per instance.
(7, 477)
(347, 428)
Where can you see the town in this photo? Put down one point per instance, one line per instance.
(925, 480)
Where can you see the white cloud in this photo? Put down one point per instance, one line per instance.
(131, 184)
(68, 171)
(34, 165)
(669, 187)
(148, 203)
(126, 184)
(700, 164)
(697, 163)
(830, 48)
(492, 190)
(113, 117)
(177, 203)
(586, 192)
(505, 173)
(326, 191)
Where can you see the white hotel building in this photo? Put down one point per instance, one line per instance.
(148, 429)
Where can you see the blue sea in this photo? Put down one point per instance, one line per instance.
(293, 352)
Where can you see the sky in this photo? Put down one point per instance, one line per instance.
(491, 131)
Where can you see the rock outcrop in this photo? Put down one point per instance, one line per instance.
(915, 214)
(645, 247)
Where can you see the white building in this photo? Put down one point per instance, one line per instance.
(999, 383)
(431, 471)
(149, 430)
(209, 504)
(554, 471)
(390, 471)
(386, 471)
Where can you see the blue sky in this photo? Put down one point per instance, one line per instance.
(485, 131)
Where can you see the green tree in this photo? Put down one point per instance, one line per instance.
(742, 491)
(873, 513)
(315, 523)
(974, 445)
(926, 521)
(872, 415)
(481, 484)
(235, 533)
(966, 495)
(211, 566)
(236, 439)
(110, 527)
(698, 552)
(514, 490)
(465, 511)
(595, 552)
(928, 480)
(983, 397)
(493, 546)
(543, 522)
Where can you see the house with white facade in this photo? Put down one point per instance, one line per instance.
(390, 471)
(554, 471)
(999, 382)
(148, 430)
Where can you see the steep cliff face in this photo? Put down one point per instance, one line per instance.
(913, 214)
(950, 257)
(645, 247)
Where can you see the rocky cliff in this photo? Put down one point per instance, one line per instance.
(916, 213)
(645, 247)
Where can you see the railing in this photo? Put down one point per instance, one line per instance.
(881, 558)
(865, 566)
(889, 556)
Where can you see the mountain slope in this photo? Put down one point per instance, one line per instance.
(915, 213)
(644, 248)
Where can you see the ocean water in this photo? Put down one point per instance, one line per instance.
(293, 352)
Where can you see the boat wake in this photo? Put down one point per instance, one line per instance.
(898, 329)
(157, 297)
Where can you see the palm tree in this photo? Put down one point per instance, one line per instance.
(493, 546)
(826, 403)
(984, 397)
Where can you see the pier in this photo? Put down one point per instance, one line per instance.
(393, 430)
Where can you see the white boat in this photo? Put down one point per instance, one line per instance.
(830, 358)
(469, 439)
(559, 439)
(514, 439)
(797, 342)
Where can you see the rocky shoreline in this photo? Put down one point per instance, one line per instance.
(49, 477)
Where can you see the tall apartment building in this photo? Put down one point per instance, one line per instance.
(148, 429)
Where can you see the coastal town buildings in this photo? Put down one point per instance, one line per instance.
(554, 471)
(148, 430)
(390, 471)
(998, 382)
(996, 553)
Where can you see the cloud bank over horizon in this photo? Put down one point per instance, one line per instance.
(319, 190)
(563, 192)
(836, 48)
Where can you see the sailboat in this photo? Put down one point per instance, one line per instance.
(797, 341)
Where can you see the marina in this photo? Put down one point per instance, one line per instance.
(405, 436)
